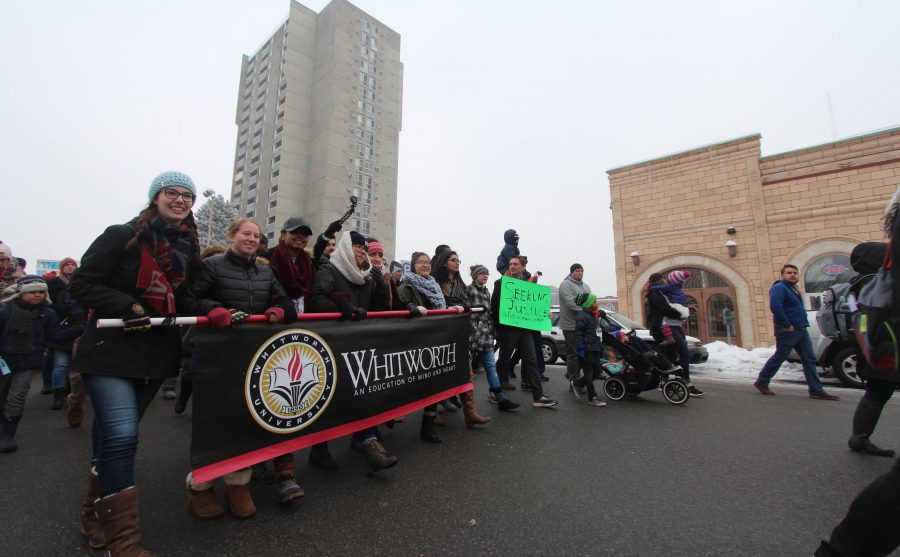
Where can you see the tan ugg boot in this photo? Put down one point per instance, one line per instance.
(204, 504)
(237, 495)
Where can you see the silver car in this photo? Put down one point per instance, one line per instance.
(832, 355)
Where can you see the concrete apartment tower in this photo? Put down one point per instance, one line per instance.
(318, 118)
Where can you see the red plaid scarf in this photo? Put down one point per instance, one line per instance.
(165, 257)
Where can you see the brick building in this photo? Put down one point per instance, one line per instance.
(734, 218)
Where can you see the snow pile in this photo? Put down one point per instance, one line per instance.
(730, 361)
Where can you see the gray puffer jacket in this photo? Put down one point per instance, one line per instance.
(233, 282)
(568, 309)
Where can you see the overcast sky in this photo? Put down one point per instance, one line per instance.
(513, 110)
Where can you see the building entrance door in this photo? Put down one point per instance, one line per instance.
(713, 313)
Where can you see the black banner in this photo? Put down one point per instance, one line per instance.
(265, 390)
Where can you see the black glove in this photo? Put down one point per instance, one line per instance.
(414, 310)
(348, 310)
(136, 319)
(333, 229)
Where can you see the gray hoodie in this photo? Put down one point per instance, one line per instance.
(568, 309)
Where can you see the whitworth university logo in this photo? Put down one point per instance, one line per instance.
(290, 381)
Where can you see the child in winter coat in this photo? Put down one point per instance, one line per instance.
(674, 291)
(589, 346)
(27, 323)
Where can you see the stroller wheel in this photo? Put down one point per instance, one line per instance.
(614, 388)
(675, 391)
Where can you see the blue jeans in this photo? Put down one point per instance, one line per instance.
(785, 341)
(119, 404)
(490, 369)
(61, 360)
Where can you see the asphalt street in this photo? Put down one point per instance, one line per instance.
(733, 473)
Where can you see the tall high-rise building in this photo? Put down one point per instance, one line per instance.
(318, 118)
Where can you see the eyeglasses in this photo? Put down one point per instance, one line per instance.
(455, 260)
(175, 194)
(423, 262)
(361, 247)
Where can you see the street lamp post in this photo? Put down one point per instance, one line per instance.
(209, 192)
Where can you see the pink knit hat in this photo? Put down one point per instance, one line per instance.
(679, 276)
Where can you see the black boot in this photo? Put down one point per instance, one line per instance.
(864, 421)
(59, 399)
(320, 457)
(184, 395)
(427, 433)
(8, 428)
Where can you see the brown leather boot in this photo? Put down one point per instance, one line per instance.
(119, 518)
(204, 504)
(472, 417)
(75, 409)
(90, 524)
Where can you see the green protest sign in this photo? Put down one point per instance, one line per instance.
(524, 304)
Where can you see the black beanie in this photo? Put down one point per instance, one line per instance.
(574, 267)
(357, 239)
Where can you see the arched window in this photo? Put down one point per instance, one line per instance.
(823, 272)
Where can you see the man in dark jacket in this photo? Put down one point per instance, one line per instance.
(292, 265)
(791, 323)
(516, 338)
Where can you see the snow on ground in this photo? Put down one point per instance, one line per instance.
(734, 362)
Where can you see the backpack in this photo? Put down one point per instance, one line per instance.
(876, 327)
(834, 317)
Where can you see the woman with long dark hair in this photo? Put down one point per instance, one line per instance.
(132, 271)
(445, 270)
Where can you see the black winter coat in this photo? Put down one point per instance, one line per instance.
(233, 282)
(657, 308)
(105, 283)
(586, 331)
(410, 297)
(330, 284)
(45, 328)
(70, 312)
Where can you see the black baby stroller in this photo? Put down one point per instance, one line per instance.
(644, 368)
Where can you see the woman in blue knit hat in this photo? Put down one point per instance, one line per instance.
(132, 271)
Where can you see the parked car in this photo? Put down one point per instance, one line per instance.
(833, 356)
(554, 344)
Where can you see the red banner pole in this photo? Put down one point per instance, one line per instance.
(203, 320)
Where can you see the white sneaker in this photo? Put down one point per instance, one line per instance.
(596, 402)
(544, 402)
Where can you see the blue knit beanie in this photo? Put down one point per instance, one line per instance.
(169, 179)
